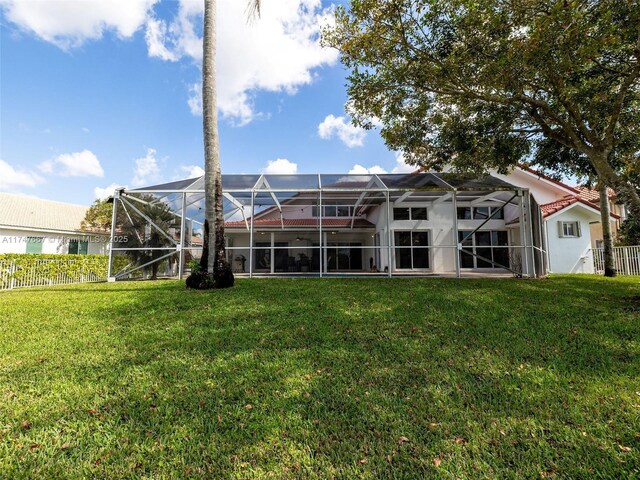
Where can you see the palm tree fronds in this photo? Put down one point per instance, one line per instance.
(253, 10)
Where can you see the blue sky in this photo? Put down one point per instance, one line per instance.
(95, 94)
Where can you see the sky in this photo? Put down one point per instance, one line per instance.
(96, 94)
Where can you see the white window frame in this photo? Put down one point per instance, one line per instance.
(472, 213)
(566, 223)
(473, 247)
(411, 247)
(411, 208)
(315, 209)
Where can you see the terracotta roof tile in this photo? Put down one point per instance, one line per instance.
(553, 207)
(593, 195)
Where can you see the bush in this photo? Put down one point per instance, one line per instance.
(73, 267)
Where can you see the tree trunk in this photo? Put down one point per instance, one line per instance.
(605, 213)
(624, 190)
(217, 264)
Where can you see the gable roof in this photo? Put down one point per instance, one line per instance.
(37, 213)
(548, 179)
(587, 193)
(549, 209)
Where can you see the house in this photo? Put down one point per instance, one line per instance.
(345, 224)
(34, 225)
(572, 221)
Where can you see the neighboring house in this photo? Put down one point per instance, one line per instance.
(572, 220)
(34, 225)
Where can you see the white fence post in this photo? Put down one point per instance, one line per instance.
(12, 270)
(626, 260)
(32, 277)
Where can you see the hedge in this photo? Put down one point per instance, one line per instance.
(73, 267)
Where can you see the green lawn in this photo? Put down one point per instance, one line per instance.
(311, 378)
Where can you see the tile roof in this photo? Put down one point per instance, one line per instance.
(32, 212)
(549, 209)
(593, 195)
(548, 178)
(587, 193)
(304, 222)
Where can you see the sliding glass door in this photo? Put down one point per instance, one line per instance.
(412, 250)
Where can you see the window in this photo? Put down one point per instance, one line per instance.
(262, 255)
(330, 211)
(569, 229)
(411, 249)
(480, 249)
(464, 213)
(34, 244)
(406, 213)
(419, 213)
(498, 213)
(343, 257)
(333, 211)
(342, 211)
(401, 214)
(78, 247)
(480, 213)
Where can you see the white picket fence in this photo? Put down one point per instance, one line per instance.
(33, 277)
(627, 260)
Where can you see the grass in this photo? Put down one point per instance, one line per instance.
(307, 378)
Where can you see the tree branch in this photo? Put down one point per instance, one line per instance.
(619, 101)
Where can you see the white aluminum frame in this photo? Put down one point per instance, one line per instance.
(447, 193)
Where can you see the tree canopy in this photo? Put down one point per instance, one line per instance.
(98, 217)
(482, 84)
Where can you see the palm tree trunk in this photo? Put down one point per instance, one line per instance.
(217, 264)
(605, 212)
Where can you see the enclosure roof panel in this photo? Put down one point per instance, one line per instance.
(424, 181)
(486, 182)
(413, 181)
(179, 185)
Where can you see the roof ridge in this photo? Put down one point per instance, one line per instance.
(533, 171)
(19, 195)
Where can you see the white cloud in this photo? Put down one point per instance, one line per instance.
(69, 24)
(11, 178)
(102, 193)
(147, 169)
(280, 166)
(85, 130)
(350, 135)
(77, 164)
(155, 34)
(192, 171)
(401, 166)
(195, 99)
(277, 52)
(358, 169)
